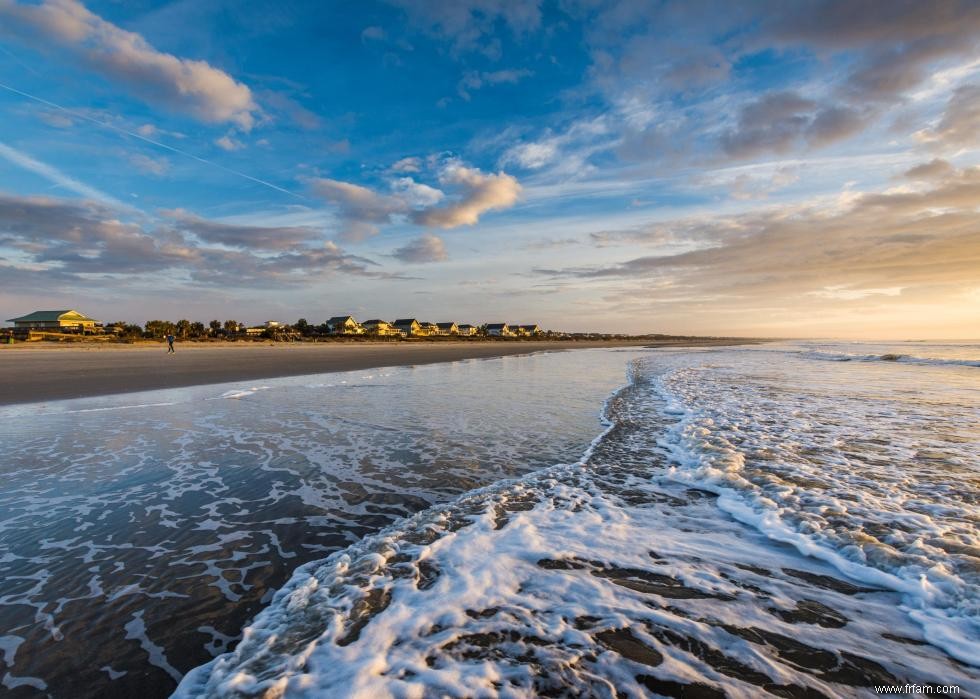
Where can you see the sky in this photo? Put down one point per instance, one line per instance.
(804, 169)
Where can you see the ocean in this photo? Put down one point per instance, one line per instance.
(787, 519)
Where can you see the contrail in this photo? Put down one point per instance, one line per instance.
(158, 144)
(59, 178)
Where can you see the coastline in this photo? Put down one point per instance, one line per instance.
(33, 374)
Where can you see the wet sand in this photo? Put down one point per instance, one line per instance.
(35, 373)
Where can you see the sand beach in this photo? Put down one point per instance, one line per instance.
(43, 372)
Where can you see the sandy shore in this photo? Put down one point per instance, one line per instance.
(34, 373)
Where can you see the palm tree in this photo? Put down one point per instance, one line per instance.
(215, 326)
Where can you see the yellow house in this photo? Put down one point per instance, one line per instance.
(55, 320)
(344, 325)
(499, 330)
(376, 326)
(408, 327)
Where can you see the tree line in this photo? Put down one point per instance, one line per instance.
(183, 329)
(192, 330)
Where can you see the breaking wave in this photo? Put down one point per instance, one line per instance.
(889, 357)
(605, 577)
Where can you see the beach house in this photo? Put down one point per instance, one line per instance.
(466, 329)
(426, 328)
(528, 330)
(409, 327)
(55, 321)
(447, 328)
(344, 325)
(376, 326)
(499, 330)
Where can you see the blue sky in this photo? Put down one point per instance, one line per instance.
(793, 169)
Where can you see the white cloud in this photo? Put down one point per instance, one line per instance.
(228, 143)
(416, 194)
(152, 166)
(190, 86)
(476, 80)
(481, 192)
(410, 164)
(362, 210)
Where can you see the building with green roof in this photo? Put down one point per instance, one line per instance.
(54, 320)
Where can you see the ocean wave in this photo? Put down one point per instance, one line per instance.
(888, 357)
(605, 577)
(802, 480)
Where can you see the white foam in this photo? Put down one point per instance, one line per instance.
(239, 393)
(491, 587)
(719, 432)
(136, 629)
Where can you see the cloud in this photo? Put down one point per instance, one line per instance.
(476, 80)
(470, 24)
(567, 152)
(480, 193)
(56, 119)
(934, 169)
(780, 121)
(672, 74)
(84, 237)
(907, 239)
(189, 86)
(242, 236)
(374, 33)
(227, 143)
(893, 49)
(363, 210)
(291, 108)
(960, 124)
(425, 248)
(411, 164)
(148, 165)
(532, 156)
(360, 209)
(552, 243)
(87, 242)
(416, 194)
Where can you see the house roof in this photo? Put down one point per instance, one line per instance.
(465, 325)
(405, 321)
(50, 316)
(340, 319)
(497, 326)
(446, 325)
(375, 321)
(532, 326)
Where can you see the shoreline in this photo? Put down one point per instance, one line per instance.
(37, 374)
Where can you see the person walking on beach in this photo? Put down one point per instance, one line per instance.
(170, 344)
